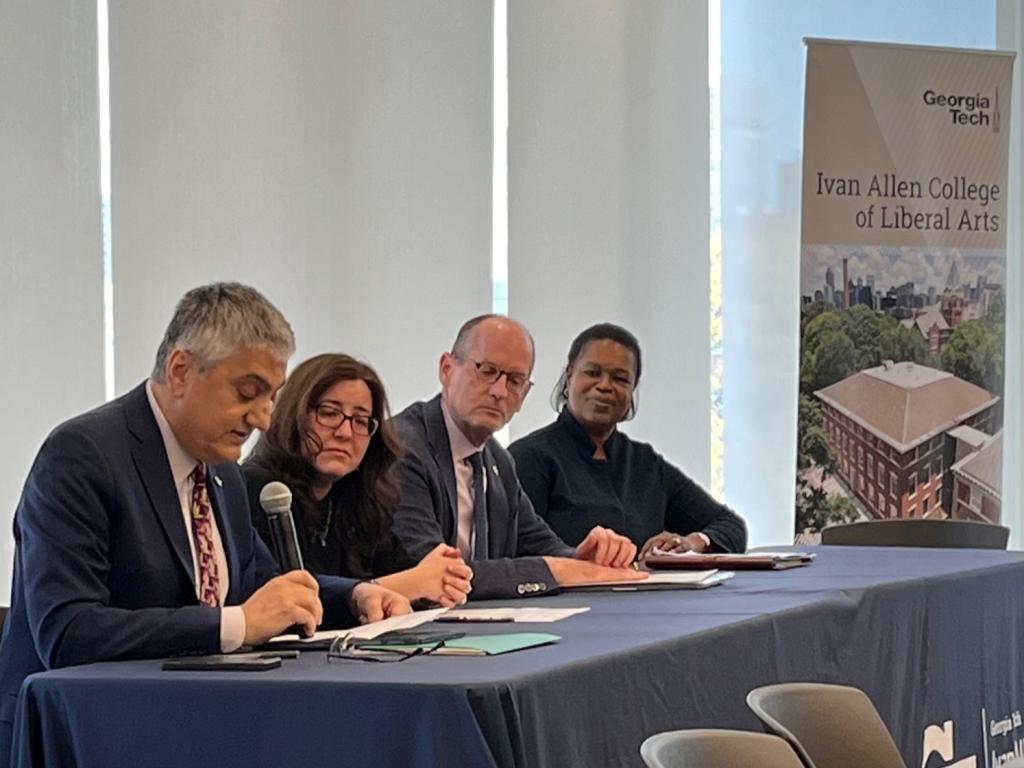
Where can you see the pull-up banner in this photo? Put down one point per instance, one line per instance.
(903, 284)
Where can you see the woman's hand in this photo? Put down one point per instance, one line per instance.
(666, 541)
(443, 577)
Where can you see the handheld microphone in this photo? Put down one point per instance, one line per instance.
(276, 500)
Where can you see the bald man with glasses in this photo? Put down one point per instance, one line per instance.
(458, 484)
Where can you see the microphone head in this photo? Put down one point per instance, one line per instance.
(276, 498)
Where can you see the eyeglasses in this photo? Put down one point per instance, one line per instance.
(518, 383)
(365, 651)
(331, 417)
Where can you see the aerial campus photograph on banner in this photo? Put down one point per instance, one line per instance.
(902, 286)
(901, 384)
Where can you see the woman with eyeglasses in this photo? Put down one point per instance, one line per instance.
(582, 471)
(330, 442)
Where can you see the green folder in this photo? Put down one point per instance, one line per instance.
(474, 645)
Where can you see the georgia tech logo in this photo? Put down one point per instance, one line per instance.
(939, 741)
(967, 109)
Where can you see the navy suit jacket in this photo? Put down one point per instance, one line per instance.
(427, 510)
(102, 565)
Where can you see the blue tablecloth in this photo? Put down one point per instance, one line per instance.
(931, 635)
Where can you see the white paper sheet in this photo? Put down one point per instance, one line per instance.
(518, 615)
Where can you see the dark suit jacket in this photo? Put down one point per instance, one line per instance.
(427, 511)
(102, 565)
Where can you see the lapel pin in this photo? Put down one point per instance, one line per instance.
(218, 481)
(494, 469)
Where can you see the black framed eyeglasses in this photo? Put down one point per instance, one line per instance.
(366, 650)
(517, 383)
(332, 417)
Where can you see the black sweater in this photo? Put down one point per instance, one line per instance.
(634, 491)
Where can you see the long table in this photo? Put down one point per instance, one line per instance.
(933, 637)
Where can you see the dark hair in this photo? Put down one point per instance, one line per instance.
(599, 332)
(283, 448)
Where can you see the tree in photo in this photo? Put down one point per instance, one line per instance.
(975, 353)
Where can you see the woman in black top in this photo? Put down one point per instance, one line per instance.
(330, 442)
(581, 471)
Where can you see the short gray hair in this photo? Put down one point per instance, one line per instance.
(213, 321)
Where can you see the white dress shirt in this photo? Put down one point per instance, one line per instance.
(462, 449)
(232, 619)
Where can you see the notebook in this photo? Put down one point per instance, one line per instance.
(751, 561)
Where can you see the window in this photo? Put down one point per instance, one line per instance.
(881, 475)
(912, 484)
(893, 485)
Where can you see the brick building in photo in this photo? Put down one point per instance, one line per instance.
(892, 431)
(977, 481)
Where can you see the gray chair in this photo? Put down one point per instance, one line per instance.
(918, 532)
(829, 726)
(713, 748)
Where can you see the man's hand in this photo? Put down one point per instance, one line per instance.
(568, 572)
(604, 546)
(292, 598)
(667, 541)
(372, 602)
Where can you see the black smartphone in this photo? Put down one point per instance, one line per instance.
(239, 662)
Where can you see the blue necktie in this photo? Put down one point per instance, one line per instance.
(480, 549)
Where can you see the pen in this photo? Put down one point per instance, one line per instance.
(474, 619)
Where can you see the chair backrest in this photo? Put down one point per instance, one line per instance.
(829, 726)
(713, 748)
(918, 532)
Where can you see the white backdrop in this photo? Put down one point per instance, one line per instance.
(51, 265)
(336, 155)
(609, 201)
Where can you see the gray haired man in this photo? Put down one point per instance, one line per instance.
(133, 533)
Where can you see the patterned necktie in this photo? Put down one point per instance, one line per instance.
(208, 578)
(480, 527)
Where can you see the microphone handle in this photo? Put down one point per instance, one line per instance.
(286, 541)
(286, 550)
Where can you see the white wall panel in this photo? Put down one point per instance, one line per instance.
(336, 155)
(609, 201)
(51, 292)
